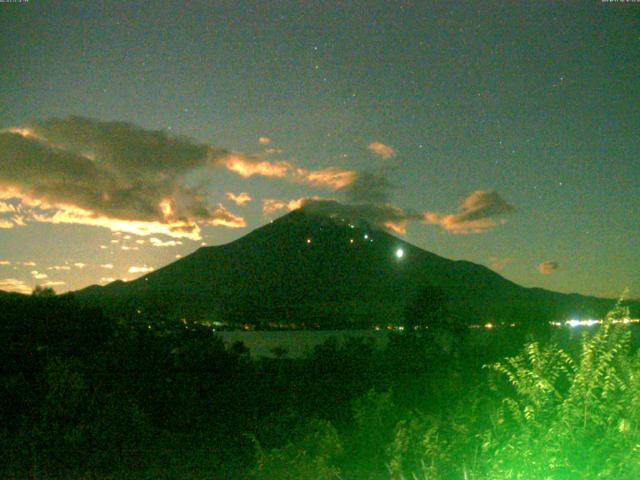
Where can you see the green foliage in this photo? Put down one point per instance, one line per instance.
(568, 418)
(310, 455)
(374, 419)
(83, 396)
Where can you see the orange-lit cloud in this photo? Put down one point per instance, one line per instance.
(143, 269)
(14, 285)
(38, 275)
(108, 174)
(477, 213)
(272, 205)
(240, 199)
(499, 263)
(156, 242)
(264, 140)
(119, 176)
(246, 166)
(332, 178)
(548, 267)
(383, 151)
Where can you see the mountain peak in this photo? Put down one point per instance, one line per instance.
(318, 268)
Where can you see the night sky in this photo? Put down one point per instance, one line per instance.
(504, 133)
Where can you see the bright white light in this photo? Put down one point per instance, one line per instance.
(366, 237)
(399, 253)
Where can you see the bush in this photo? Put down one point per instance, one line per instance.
(567, 418)
(311, 455)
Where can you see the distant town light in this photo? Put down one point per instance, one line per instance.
(308, 240)
(399, 253)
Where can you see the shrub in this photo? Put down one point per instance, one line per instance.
(311, 455)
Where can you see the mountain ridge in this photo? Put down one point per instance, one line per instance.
(308, 269)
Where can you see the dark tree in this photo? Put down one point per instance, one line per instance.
(427, 310)
(43, 292)
(429, 313)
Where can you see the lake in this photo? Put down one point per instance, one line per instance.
(261, 342)
(296, 342)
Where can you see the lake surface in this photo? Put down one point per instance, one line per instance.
(296, 342)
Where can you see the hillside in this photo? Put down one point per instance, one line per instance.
(312, 270)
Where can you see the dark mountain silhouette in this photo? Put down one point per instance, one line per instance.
(309, 269)
(313, 270)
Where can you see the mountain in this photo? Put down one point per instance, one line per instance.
(313, 270)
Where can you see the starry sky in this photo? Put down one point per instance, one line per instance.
(504, 133)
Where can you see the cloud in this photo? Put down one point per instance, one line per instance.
(144, 269)
(38, 275)
(12, 215)
(477, 213)
(156, 242)
(122, 177)
(107, 280)
(499, 263)
(55, 283)
(14, 285)
(59, 267)
(264, 140)
(333, 177)
(79, 265)
(383, 151)
(6, 207)
(368, 187)
(548, 267)
(5, 262)
(108, 266)
(109, 174)
(247, 166)
(240, 199)
(272, 205)
(384, 216)
(29, 264)
(272, 151)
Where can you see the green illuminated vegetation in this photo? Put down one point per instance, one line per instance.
(85, 396)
